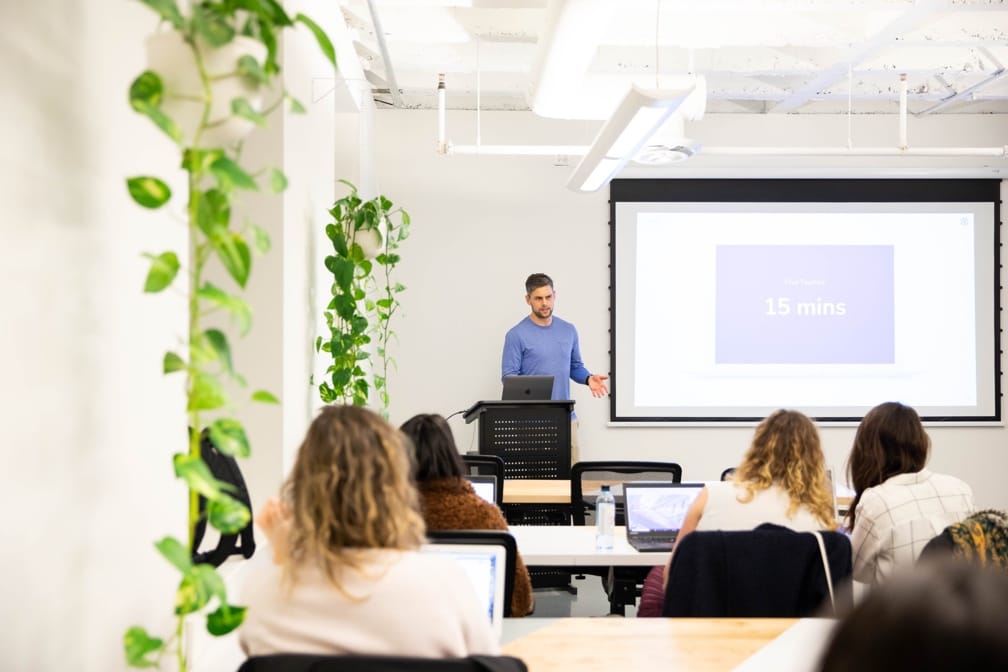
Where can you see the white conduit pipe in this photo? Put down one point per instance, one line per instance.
(446, 147)
(442, 147)
(903, 112)
(857, 151)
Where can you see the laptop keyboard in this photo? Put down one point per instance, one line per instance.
(655, 543)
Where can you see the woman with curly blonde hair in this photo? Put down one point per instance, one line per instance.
(345, 537)
(782, 480)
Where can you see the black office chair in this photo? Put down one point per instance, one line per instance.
(496, 537)
(625, 583)
(613, 474)
(308, 662)
(727, 473)
(487, 465)
(771, 571)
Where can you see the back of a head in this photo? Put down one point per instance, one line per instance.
(786, 451)
(981, 538)
(941, 616)
(434, 448)
(890, 440)
(351, 487)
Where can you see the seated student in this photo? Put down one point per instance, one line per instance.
(936, 616)
(898, 506)
(981, 538)
(448, 501)
(347, 576)
(782, 480)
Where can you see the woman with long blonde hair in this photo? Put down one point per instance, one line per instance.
(782, 480)
(346, 574)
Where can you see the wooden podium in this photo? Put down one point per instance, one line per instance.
(532, 437)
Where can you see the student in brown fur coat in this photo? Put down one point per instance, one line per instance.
(447, 498)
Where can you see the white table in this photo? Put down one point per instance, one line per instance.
(574, 546)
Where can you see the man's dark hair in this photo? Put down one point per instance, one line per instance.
(434, 446)
(537, 280)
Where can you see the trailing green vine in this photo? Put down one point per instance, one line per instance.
(214, 180)
(365, 237)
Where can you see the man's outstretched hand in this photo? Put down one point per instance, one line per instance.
(596, 383)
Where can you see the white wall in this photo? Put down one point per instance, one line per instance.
(482, 224)
(90, 423)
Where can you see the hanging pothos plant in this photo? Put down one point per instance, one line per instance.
(224, 43)
(365, 236)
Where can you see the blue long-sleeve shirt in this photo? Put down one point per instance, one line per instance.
(530, 349)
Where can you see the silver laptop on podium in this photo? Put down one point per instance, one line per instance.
(655, 512)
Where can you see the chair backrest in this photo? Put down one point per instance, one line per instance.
(587, 478)
(307, 662)
(498, 537)
(727, 472)
(487, 465)
(771, 571)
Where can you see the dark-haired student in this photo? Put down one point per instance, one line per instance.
(447, 498)
(935, 617)
(899, 505)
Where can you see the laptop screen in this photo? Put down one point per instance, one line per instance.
(653, 507)
(485, 486)
(485, 565)
(517, 388)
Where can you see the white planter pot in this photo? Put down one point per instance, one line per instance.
(174, 61)
(370, 241)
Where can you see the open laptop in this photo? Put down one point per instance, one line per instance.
(486, 567)
(655, 512)
(517, 388)
(485, 486)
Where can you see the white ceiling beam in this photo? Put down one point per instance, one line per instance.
(919, 13)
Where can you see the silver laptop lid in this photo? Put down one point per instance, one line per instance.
(658, 506)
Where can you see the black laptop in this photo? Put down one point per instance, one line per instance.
(655, 512)
(532, 388)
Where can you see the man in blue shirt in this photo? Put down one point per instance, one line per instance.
(543, 344)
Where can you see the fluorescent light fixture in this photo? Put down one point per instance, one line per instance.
(637, 118)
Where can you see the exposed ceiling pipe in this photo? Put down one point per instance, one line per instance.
(386, 59)
(445, 146)
(903, 111)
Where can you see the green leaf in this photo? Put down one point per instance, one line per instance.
(164, 122)
(324, 43)
(241, 107)
(212, 25)
(139, 646)
(261, 239)
(168, 11)
(197, 476)
(197, 160)
(172, 363)
(206, 394)
(150, 192)
(164, 267)
(234, 254)
(249, 68)
(219, 343)
(278, 181)
(213, 211)
(146, 91)
(229, 173)
(224, 619)
(295, 105)
(227, 514)
(229, 437)
(235, 306)
(266, 397)
(175, 552)
(200, 584)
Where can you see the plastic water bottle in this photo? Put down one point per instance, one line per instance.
(605, 519)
